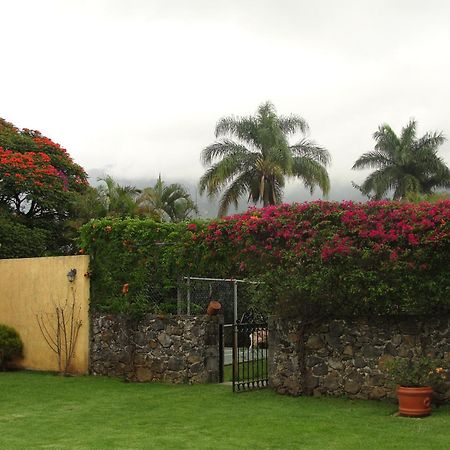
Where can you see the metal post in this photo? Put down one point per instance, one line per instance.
(235, 316)
(221, 353)
(179, 297)
(235, 357)
(235, 338)
(188, 296)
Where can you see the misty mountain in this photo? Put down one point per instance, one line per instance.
(295, 192)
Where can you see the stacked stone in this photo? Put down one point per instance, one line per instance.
(173, 349)
(345, 357)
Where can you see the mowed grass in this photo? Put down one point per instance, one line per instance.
(39, 410)
(247, 370)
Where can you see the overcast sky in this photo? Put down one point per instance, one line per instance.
(134, 88)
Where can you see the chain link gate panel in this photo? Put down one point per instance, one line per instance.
(243, 352)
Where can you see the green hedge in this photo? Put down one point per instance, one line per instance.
(314, 258)
(136, 263)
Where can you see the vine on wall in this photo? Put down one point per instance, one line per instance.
(319, 258)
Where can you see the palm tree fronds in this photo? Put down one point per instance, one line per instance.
(311, 150)
(293, 124)
(386, 140)
(371, 160)
(312, 173)
(221, 149)
(255, 157)
(234, 192)
(244, 129)
(166, 202)
(221, 173)
(405, 165)
(430, 140)
(408, 135)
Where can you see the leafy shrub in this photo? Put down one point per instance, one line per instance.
(341, 258)
(321, 258)
(10, 345)
(20, 241)
(136, 263)
(416, 372)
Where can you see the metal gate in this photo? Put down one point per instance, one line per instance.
(250, 369)
(243, 334)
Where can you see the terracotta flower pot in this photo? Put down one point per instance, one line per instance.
(414, 401)
(213, 308)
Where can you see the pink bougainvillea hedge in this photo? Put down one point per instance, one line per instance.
(343, 258)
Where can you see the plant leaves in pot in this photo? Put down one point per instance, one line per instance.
(415, 379)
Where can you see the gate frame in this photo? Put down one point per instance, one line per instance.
(253, 383)
(235, 282)
(235, 323)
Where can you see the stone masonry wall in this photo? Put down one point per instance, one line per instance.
(343, 357)
(174, 349)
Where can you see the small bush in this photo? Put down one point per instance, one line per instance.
(10, 345)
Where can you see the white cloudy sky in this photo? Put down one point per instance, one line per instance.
(134, 87)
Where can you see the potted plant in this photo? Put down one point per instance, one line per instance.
(415, 379)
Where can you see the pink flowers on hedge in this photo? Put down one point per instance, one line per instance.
(340, 258)
(388, 230)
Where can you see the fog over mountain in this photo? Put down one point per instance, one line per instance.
(295, 192)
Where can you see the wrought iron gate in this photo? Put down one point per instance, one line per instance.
(250, 370)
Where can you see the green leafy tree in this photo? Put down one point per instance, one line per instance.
(404, 164)
(38, 180)
(87, 205)
(20, 241)
(170, 203)
(254, 158)
(37, 176)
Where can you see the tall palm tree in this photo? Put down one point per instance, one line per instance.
(259, 159)
(405, 164)
(168, 202)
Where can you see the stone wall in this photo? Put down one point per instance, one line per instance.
(343, 357)
(174, 349)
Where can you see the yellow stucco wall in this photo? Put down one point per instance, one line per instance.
(32, 286)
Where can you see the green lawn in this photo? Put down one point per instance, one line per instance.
(257, 370)
(46, 411)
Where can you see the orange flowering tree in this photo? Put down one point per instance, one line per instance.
(38, 179)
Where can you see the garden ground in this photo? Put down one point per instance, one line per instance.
(42, 410)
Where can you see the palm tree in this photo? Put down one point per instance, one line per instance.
(167, 202)
(260, 159)
(118, 200)
(405, 164)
